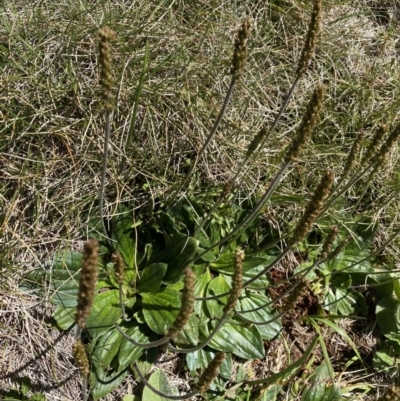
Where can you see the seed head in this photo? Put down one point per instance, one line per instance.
(326, 248)
(380, 158)
(351, 159)
(87, 282)
(376, 141)
(339, 248)
(256, 141)
(105, 59)
(313, 208)
(307, 124)
(391, 394)
(119, 267)
(187, 304)
(210, 373)
(311, 38)
(240, 52)
(81, 358)
(237, 280)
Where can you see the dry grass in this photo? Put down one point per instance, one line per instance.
(52, 123)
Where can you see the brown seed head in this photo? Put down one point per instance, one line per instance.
(380, 158)
(326, 248)
(391, 394)
(256, 141)
(81, 358)
(240, 52)
(105, 58)
(307, 124)
(351, 159)
(339, 248)
(87, 281)
(376, 141)
(237, 280)
(311, 38)
(187, 304)
(313, 208)
(210, 373)
(119, 267)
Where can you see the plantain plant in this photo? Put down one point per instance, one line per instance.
(194, 277)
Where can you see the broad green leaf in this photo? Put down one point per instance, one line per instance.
(25, 385)
(122, 235)
(385, 360)
(151, 278)
(65, 278)
(65, 317)
(197, 361)
(160, 309)
(242, 341)
(104, 382)
(129, 352)
(252, 265)
(271, 393)
(217, 286)
(105, 376)
(160, 382)
(252, 301)
(105, 312)
(190, 333)
(200, 291)
(388, 315)
(321, 387)
(179, 250)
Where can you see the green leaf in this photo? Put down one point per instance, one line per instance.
(215, 287)
(200, 291)
(252, 265)
(242, 341)
(160, 382)
(321, 387)
(129, 352)
(385, 360)
(197, 362)
(105, 376)
(65, 317)
(179, 250)
(25, 385)
(388, 315)
(151, 278)
(105, 312)
(65, 278)
(122, 235)
(160, 310)
(252, 301)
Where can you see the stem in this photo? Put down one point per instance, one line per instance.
(208, 140)
(152, 344)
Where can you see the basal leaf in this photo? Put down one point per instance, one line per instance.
(179, 250)
(65, 278)
(252, 265)
(151, 278)
(160, 309)
(160, 382)
(242, 341)
(65, 317)
(129, 352)
(252, 301)
(388, 315)
(200, 291)
(105, 312)
(217, 286)
(197, 361)
(122, 235)
(105, 377)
